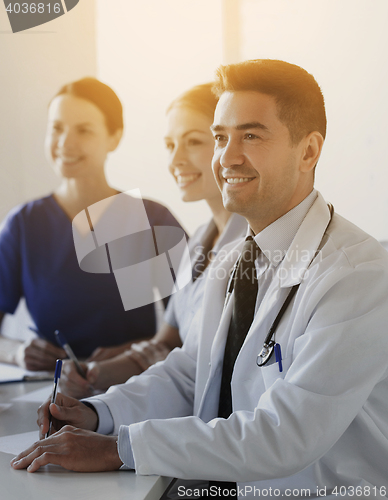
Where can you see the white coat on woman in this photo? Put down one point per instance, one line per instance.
(320, 423)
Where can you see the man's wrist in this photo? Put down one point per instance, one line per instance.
(105, 423)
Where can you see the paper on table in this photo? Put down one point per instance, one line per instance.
(37, 396)
(12, 373)
(18, 442)
(4, 407)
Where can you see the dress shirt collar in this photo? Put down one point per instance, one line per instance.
(276, 238)
(234, 229)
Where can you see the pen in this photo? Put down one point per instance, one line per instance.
(69, 351)
(278, 356)
(57, 375)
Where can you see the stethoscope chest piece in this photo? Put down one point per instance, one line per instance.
(265, 354)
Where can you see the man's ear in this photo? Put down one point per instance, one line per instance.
(115, 139)
(312, 146)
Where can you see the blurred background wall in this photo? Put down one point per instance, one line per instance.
(151, 51)
(33, 66)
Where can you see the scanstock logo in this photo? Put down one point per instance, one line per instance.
(115, 236)
(26, 14)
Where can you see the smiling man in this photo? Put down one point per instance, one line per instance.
(268, 139)
(282, 387)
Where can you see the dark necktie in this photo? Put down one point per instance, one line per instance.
(245, 294)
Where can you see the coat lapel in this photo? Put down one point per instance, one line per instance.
(290, 272)
(215, 320)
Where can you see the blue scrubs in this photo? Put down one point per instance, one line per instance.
(38, 261)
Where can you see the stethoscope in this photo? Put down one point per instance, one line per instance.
(269, 345)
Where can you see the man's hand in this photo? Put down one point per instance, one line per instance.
(38, 354)
(74, 449)
(65, 411)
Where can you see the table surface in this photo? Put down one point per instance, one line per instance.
(55, 482)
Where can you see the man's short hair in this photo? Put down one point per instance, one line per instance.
(299, 99)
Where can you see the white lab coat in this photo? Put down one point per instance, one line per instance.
(323, 421)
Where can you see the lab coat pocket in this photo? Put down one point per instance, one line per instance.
(271, 372)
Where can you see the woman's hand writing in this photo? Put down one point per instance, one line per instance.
(148, 352)
(38, 354)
